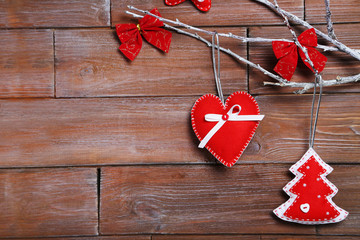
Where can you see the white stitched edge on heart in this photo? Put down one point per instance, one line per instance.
(293, 197)
(224, 107)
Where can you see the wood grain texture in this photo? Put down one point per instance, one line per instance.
(283, 134)
(339, 64)
(74, 132)
(205, 237)
(347, 179)
(26, 63)
(54, 13)
(96, 131)
(194, 199)
(53, 202)
(342, 11)
(132, 237)
(88, 63)
(231, 13)
(292, 237)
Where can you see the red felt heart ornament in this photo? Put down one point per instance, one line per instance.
(236, 120)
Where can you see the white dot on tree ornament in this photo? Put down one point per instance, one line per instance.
(327, 213)
(319, 196)
(318, 179)
(304, 184)
(307, 167)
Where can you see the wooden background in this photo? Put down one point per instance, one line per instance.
(93, 146)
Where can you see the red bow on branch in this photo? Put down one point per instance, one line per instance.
(203, 5)
(287, 53)
(149, 27)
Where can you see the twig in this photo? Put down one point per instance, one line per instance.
(281, 81)
(342, 47)
(228, 35)
(330, 28)
(298, 44)
(306, 86)
(228, 51)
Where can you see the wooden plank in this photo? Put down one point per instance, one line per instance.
(232, 13)
(62, 132)
(205, 237)
(347, 179)
(96, 131)
(293, 237)
(48, 202)
(54, 13)
(339, 64)
(342, 11)
(283, 134)
(194, 200)
(88, 63)
(26, 63)
(132, 237)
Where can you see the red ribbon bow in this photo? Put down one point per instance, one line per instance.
(203, 5)
(287, 53)
(149, 27)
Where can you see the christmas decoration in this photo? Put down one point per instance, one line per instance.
(203, 5)
(149, 28)
(310, 193)
(287, 53)
(281, 82)
(225, 130)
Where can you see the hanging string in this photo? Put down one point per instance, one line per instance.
(313, 122)
(217, 69)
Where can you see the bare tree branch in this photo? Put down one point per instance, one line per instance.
(330, 28)
(342, 47)
(209, 44)
(298, 44)
(306, 86)
(281, 81)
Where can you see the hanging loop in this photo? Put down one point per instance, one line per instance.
(216, 69)
(313, 122)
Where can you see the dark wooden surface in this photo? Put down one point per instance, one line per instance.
(26, 63)
(93, 146)
(102, 131)
(48, 202)
(84, 56)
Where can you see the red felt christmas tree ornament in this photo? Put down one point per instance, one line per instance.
(311, 193)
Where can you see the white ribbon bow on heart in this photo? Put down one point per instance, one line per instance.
(222, 119)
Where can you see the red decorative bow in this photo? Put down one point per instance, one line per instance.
(287, 54)
(203, 5)
(149, 27)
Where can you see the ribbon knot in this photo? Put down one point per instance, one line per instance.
(138, 27)
(232, 115)
(150, 28)
(287, 53)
